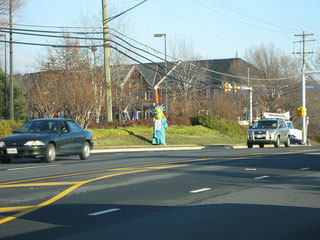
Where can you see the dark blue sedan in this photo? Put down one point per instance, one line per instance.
(46, 139)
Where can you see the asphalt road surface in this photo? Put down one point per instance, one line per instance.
(212, 193)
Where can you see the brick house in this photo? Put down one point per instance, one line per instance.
(140, 80)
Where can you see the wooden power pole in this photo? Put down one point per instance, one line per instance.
(107, 58)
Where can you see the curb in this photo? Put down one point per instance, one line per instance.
(118, 149)
(164, 148)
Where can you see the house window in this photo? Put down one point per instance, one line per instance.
(149, 113)
(208, 93)
(149, 95)
(133, 94)
(140, 95)
(61, 114)
(215, 93)
(134, 83)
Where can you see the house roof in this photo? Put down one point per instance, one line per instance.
(154, 72)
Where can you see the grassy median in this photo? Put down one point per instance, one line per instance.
(176, 135)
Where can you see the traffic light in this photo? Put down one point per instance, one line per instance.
(226, 87)
(301, 111)
(235, 88)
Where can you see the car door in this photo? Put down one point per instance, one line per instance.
(78, 137)
(283, 131)
(65, 139)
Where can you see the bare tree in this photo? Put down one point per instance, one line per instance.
(186, 86)
(66, 83)
(43, 94)
(95, 58)
(273, 64)
(4, 10)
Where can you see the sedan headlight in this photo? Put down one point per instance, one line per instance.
(34, 143)
(2, 144)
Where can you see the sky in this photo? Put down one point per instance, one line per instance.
(215, 28)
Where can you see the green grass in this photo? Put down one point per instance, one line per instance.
(176, 135)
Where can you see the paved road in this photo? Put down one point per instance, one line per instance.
(202, 194)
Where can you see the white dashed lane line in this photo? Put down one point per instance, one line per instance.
(261, 177)
(200, 190)
(24, 168)
(304, 169)
(104, 212)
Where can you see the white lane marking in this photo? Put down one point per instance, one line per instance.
(261, 177)
(251, 169)
(313, 153)
(15, 169)
(200, 190)
(304, 169)
(104, 212)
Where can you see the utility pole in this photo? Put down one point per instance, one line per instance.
(303, 81)
(107, 58)
(11, 65)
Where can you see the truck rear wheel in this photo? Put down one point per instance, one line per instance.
(287, 143)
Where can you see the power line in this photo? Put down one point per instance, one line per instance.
(118, 15)
(91, 38)
(238, 10)
(200, 26)
(237, 20)
(206, 69)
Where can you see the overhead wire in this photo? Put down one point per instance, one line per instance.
(237, 20)
(206, 69)
(120, 14)
(199, 26)
(91, 38)
(155, 50)
(238, 10)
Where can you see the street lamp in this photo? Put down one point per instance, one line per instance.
(5, 69)
(166, 65)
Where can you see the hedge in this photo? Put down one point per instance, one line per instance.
(7, 126)
(226, 127)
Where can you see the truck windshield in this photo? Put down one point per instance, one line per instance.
(265, 124)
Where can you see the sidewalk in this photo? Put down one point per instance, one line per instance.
(145, 148)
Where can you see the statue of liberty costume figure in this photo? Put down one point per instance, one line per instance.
(159, 126)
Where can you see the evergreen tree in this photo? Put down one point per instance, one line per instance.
(20, 104)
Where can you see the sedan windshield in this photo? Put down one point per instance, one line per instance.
(265, 124)
(39, 127)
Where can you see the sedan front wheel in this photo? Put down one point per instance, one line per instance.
(50, 155)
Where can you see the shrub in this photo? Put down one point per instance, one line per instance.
(7, 126)
(315, 138)
(184, 121)
(227, 127)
